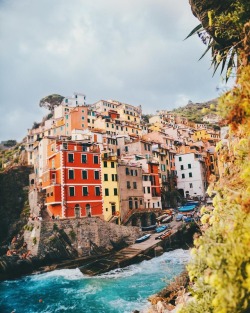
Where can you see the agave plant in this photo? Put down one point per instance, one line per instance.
(222, 30)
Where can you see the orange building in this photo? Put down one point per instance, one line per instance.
(72, 179)
(77, 118)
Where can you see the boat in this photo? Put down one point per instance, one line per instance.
(167, 219)
(186, 208)
(161, 217)
(166, 234)
(143, 238)
(191, 202)
(161, 228)
(151, 227)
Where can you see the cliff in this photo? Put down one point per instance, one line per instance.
(14, 208)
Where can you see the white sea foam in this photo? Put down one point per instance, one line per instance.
(68, 274)
(178, 256)
(129, 306)
(58, 308)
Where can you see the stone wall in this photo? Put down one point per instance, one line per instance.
(70, 238)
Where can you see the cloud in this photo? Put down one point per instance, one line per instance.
(132, 51)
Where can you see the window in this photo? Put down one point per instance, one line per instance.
(182, 167)
(148, 188)
(190, 185)
(112, 164)
(127, 171)
(70, 157)
(85, 191)
(190, 175)
(189, 165)
(182, 175)
(128, 185)
(126, 148)
(84, 158)
(135, 172)
(84, 174)
(71, 174)
(180, 158)
(97, 191)
(96, 174)
(140, 201)
(115, 192)
(114, 177)
(105, 164)
(106, 192)
(130, 203)
(95, 159)
(71, 191)
(105, 177)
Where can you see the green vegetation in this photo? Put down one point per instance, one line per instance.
(72, 235)
(10, 143)
(224, 29)
(220, 265)
(194, 112)
(51, 101)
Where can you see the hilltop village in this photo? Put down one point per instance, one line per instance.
(104, 160)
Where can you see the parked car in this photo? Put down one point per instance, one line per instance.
(179, 217)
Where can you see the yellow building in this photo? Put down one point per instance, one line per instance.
(155, 127)
(111, 209)
(199, 134)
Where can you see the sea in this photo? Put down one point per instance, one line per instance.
(68, 290)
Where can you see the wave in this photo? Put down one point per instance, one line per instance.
(178, 256)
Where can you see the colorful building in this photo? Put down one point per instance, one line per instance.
(111, 205)
(72, 179)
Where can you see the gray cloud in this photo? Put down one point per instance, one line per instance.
(132, 51)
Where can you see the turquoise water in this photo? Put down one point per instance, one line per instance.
(118, 291)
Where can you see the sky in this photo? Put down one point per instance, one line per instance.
(132, 51)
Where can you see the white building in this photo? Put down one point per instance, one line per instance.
(76, 99)
(191, 175)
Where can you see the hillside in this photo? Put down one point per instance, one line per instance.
(196, 111)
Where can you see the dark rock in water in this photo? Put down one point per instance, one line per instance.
(3, 250)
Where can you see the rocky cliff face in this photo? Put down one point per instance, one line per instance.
(13, 200)
(71, 238)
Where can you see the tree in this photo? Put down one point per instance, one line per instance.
(51, 101)
(10, 143)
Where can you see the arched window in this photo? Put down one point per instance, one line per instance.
(130, 203)
(88, 210)
(136, 203)
(77, 211)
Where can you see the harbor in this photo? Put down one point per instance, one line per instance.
(138, 252)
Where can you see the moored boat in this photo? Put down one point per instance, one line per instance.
(167, 219)
(166, 234)
(151, 227)
(143, 238)
(161, 228)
